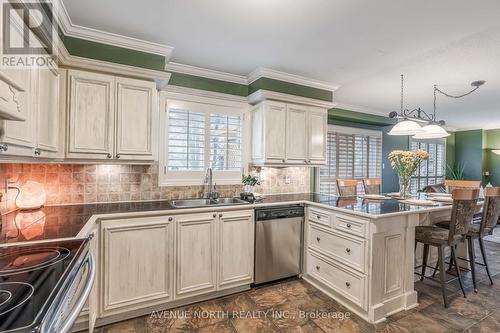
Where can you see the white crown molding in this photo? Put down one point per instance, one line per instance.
(291, 78)
(77, 31)
(361, 109)
(261, 95)
(206, 73)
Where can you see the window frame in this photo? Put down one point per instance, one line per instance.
(208, 102)
(437, 142)
(345, 130)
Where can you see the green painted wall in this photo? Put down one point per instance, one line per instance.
(390, 181)
(196, 82)
(119, 55)
(450, 151)
(469, 153)
(339, 116)
(290, 88)
(492, 164)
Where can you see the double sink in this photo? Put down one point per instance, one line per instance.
(197, 203)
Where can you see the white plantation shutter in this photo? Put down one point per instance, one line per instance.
(351, 153)
(432, 171)
(225, 142)
(199, 136)
(186, 140)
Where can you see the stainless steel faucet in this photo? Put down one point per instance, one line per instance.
(212, 194)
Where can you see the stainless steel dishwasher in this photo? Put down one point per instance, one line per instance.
(278, 242)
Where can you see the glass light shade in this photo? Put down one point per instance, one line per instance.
(406, 127)
(432, 132)
(496, 151)
(31, 196)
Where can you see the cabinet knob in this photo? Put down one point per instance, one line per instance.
(347, 284)
(215, 215)
(319, 217)
(283, 161)
(170, 219)
(317, 268)
(117, 155)
(109, 155)
(38, 152)
(348, 250)
(348, 226)
(220, 215)
(318, 239)
(4, 147)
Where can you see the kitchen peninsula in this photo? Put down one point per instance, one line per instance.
(359, 252)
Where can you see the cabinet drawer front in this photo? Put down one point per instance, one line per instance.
(350, 224)
(349, 285)
(340, 246)
(319, 216)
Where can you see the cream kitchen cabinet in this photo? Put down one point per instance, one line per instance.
(137, 263)
(111, 117)
(236, 248)
(214, 252)
(288, 134)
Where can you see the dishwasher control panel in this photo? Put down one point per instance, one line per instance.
(279, 213)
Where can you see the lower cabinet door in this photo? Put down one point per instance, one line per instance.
(196, 264)
(236, 248)
(137, 263)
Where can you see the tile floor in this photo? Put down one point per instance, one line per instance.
(281, 307)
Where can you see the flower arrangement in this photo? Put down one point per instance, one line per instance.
(405, 163)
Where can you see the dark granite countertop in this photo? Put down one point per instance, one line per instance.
(59, 222)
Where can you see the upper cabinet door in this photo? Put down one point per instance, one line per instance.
(48, 120)
(275, 128)
(317, 135)
(20, 135)
(91, 115)
(296, 134)
(137, 110)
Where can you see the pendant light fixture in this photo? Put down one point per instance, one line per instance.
(406, 126)
(433, 128)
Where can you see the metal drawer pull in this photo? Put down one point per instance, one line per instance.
(318, 239)
(109, 155)
(348, 250)
(215, 215)
(319, 217)
(348, 226)
(220, 215)
(347, 284)
(317, 268)
(38, 152)
(4, 147)
(170, 219)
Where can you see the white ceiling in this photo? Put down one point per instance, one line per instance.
(362, 45)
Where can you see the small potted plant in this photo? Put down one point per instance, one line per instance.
(249, 183)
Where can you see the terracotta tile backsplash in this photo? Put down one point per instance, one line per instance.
(76, 183)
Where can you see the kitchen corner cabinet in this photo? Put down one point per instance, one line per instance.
(111, 117)
(288, 134)
(136, 264)
(37, 136)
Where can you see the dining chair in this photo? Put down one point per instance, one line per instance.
(372, 185)
(464, 206)
(489, 219)
(460, 184)
(347, 187)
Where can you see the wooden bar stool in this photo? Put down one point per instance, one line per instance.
(489, 219)
(464, 206)
(372, 185)
(347, 187)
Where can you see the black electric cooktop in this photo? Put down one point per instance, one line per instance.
(30, 277)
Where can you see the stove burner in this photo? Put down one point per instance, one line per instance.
(22, 291)
(25, 260)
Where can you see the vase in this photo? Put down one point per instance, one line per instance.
(248, 188)
(404, 186)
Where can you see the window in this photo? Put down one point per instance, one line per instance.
(432, 171)
(351, 153)
(202, 135)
